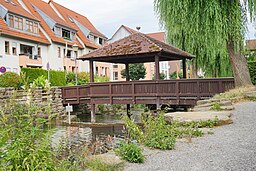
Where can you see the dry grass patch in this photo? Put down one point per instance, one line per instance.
(239, 94)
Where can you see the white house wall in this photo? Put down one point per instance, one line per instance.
(11, 62)
(121, 33)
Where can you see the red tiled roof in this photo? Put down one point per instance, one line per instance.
(4, 28)
(15, 7)
(65, 12)
(47, 9)
(160, 36)
(137, 45)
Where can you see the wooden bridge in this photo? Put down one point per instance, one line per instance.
(184, 92)
(140, 48)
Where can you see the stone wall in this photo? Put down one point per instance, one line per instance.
(46, 100)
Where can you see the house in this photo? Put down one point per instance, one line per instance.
(38, 34)
(165, 67)
(22, 43)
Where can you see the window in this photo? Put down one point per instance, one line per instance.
(7, 47)
(66, 34)
(103, 71)
(36, 30)
(14, 48)
(100, 41)
(38, 52)
(97, 70)
(26, 50)
(115, 66)
(68, 55)
(11, 21)
(57, 31)
(115, 75)
(29, 26)
(18, 23)
(75, 54)
(59, 51)
(14, 51)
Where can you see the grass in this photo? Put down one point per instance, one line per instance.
(237, 92)
(99, 165)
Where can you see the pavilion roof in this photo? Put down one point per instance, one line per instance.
(136, 48)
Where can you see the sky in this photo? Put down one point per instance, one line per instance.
(108, 15)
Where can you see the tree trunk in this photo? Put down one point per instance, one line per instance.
(239, 66)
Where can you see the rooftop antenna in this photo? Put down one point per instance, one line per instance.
(138, 28)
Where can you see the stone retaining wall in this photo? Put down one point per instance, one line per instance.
(38, 97)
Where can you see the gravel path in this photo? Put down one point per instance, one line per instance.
(231, 147)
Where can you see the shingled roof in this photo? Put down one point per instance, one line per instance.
(136, 48)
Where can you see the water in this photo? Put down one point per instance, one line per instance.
(87, 133)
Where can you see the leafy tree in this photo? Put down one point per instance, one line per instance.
(136, 71)
(212, 30)
(162, 76)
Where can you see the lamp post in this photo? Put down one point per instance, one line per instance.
(75, 49)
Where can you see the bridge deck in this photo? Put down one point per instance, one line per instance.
(173, 92)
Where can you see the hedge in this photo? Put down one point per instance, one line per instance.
(252, 69)
(57, 78)
(10, 79)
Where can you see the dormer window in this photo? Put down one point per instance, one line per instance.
(66, 34)
(11, 21)
(18, 23)
(32, 27)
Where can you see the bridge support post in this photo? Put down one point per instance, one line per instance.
(128, 106)
(93, 113)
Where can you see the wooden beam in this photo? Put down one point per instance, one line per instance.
(184, 68)
(157, 68)
(91, 71)
(127, 72)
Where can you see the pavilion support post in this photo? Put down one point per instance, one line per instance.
(157, 68)
(93, 111)
(184, 68)
(157, 78)
(128, 106)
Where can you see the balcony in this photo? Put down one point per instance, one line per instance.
(69, 64)
(26, 60)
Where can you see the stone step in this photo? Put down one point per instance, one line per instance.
(224, 108)
(221, 103)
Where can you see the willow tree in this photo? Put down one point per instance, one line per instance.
(212, 30)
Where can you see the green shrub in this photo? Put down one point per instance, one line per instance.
(41, 82)
(216, 107)
(25, 141)
(174, 75)
(71, 78)
(57, 78)
(252, 69)
(130, 152)
(10, 79)
(158, 133)
(83, 78)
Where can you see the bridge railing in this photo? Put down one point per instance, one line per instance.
(178, 92)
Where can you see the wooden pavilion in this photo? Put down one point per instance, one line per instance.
(140, 48)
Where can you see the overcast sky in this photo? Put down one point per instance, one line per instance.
(108, 15)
